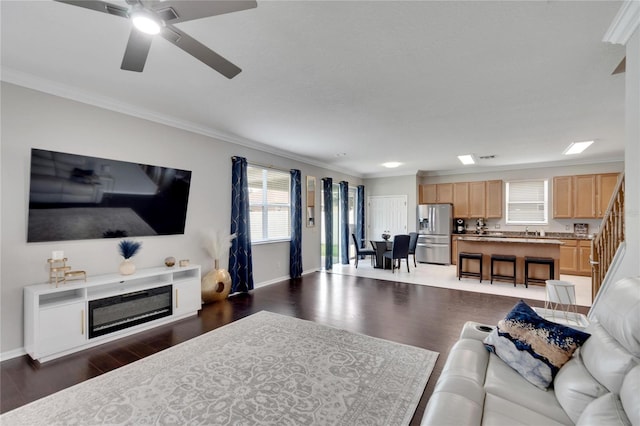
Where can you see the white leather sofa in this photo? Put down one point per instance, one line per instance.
(599, 385)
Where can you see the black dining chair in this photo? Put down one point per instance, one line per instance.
(413, 242)
(399, 251)
(362, 251)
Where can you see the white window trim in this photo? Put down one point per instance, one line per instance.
(545, 220)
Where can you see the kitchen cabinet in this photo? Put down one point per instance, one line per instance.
(493, 203)
(477, 199)
(563, 197)
(583, 196)
(575, 256)
(584, 258)
(454, 250)
(569, 257)
(605, 185)
(461, 199)
(432, 193)
(584, 189)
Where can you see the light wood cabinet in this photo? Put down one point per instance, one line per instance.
(469, 199)
(605, 185)
(562, 197)
(569, 257)
(584, 257)
(493, 201)
(454, 250)
(584, 196)
(477, 199)
(461, 199)
(575, 256)
(432, 193)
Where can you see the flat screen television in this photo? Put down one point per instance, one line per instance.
(76, 197)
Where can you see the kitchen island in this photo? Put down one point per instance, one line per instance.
(519, 247)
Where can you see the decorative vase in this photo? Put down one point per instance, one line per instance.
(127, 267)
(216, 285)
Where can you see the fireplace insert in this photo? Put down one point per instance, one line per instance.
(126, 310)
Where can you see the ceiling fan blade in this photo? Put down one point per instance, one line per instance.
(174, 11)
(135, 56)
(199, 51)
(622, 66)
(99, 6)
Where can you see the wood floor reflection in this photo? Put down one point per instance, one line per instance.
(417, 315)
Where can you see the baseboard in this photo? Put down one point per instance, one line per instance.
(285, 278)
(4, 356)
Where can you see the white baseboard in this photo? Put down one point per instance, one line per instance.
(285, 278)
(12, 354)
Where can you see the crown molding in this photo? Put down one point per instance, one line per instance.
(32, 82)
(626, 22)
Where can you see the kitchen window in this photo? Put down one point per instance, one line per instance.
(269, 204)
(527, 202)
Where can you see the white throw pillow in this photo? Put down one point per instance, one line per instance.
(606, 410)
(575, 388)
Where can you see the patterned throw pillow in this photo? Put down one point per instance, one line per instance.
(531, 345)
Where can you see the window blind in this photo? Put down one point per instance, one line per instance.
(269, 203)
(527, 202)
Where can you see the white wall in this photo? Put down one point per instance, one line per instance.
(32, 119)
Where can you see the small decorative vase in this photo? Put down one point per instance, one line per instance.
(386, 236)
(216, 285)
(127, 267)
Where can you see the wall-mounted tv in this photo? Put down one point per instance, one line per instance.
(76, 197)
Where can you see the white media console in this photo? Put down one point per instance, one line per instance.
(77, 315)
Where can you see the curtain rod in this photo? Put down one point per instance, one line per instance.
(266, 166)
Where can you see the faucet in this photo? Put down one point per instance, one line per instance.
(526, 231)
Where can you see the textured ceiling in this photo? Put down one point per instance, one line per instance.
(351, 84)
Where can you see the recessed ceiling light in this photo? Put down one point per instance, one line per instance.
(577, 147)
(466, 159)
(391, 164)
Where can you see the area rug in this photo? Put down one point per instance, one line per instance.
(263, 369)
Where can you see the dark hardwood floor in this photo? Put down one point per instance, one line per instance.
(422, 316)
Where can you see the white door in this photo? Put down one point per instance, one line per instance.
(386, 213)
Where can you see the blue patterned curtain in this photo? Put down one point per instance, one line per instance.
(344, 222)
(360, 216)
(327, 187)
(295, 248)
(240, 262)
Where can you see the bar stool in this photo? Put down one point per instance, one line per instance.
(469, 256)
(509, 258)
(537, 261)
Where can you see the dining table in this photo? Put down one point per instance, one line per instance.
(381, 247)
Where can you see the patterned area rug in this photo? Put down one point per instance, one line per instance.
(263, 369)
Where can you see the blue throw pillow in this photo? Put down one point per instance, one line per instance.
(533, 346)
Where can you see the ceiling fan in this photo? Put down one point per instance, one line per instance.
(151, 17)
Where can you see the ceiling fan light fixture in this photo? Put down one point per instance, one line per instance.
(146, 22)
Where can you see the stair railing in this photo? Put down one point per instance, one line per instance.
(607, 241)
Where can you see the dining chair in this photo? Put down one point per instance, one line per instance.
(399, 251)
(413, 242)
(362, 251)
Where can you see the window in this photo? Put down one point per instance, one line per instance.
(269, 204)
(527, 202)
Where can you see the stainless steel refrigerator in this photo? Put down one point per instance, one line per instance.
(434, 229)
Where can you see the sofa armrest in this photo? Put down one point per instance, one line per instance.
(475, 330)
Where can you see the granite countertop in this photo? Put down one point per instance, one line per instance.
(489, 238)
(532, 235)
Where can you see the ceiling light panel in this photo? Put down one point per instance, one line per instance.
(466, 159)
(577, 147)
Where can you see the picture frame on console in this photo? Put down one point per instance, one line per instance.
(79, 197)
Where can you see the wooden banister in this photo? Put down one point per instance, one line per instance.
(607, 241)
